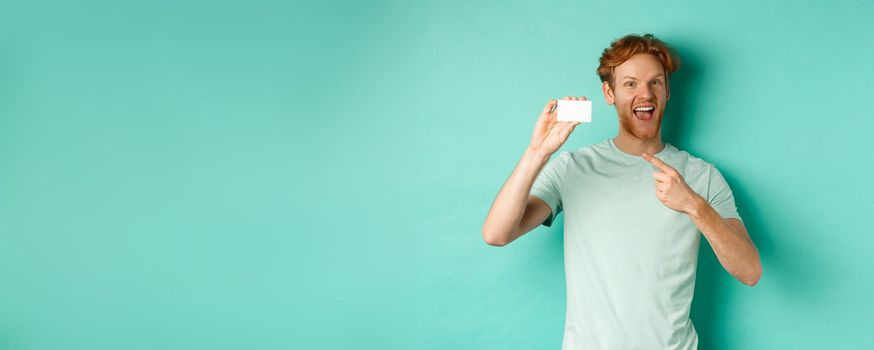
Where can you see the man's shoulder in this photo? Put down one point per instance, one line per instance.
(691, 163)
(592, 150)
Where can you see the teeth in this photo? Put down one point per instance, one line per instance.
(649, 108)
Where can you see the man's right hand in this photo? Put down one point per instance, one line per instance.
(550, 134)
(515, 211)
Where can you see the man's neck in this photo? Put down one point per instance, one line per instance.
(635, 146)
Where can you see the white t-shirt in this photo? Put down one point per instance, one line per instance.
(630, 261)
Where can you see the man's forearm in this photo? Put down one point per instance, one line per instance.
(735, 251)
(509, 205)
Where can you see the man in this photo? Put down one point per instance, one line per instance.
(634, 207)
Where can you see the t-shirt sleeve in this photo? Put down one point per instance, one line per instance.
(720, 196)
(547, 185)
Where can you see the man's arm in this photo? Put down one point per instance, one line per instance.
(730, 241)
(515, 212)
(728, 237)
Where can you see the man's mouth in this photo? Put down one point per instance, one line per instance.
(644, 112)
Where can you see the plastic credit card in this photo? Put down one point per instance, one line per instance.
(571, 110)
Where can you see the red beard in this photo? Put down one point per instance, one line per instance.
(642, 130)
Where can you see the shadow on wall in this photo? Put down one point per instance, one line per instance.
(709, 301)
(791, 274)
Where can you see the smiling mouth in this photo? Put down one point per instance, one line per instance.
(644, 112)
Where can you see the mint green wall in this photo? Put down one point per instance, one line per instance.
(274, 175)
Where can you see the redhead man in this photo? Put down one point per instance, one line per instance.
(635, 209)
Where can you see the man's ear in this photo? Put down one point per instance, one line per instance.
(608, 93)
(668, 96)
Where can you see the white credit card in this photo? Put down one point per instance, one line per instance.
(570, 110)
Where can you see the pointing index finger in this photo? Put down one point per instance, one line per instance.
(658, 162)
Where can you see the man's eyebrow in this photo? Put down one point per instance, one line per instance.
(633, 78)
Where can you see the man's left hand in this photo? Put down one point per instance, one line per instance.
(671, 188)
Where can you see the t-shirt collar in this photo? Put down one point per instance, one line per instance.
(631, 156)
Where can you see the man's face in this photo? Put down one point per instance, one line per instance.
(640, 92)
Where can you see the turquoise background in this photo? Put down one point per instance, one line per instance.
(276, 175)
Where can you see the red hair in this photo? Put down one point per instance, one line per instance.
(622, 49)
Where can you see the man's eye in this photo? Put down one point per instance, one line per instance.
(657, 82)
(629, 84)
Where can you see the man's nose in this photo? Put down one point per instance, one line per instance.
(646, 92)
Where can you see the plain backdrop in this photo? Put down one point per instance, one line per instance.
(314, 175)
